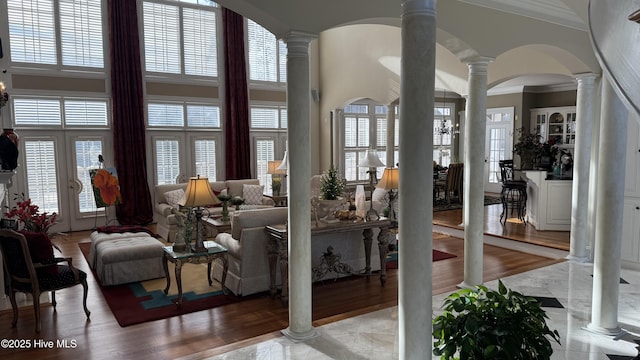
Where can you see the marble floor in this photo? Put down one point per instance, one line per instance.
(375, 335)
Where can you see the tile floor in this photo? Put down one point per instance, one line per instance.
(374, 335)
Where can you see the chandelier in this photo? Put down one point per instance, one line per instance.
(443, 129)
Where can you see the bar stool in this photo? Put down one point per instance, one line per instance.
(513, 195)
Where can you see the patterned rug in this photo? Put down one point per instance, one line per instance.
(144, 301)
(442, 205)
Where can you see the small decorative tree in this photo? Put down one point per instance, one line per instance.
(331, 185)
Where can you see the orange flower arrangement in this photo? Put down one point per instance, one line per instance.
(105, 188)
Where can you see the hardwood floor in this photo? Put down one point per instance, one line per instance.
(223, 327)
(514, 229)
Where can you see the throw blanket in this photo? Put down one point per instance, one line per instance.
(125, 228)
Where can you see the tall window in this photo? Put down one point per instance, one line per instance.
(267, 56)
(52, 32)
(269, 133)
(186, 138)
(365, 127)
(180, 38)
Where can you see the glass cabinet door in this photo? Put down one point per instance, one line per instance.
(570, 128)
(556, 128)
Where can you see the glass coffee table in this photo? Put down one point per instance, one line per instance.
(214, 251)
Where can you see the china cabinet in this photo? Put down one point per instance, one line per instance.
(556, 124)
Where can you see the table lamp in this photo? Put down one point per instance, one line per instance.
(197, 195)
(276, 172)
(389, 182)
(371, 161)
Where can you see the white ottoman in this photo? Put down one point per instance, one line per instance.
(126, 257)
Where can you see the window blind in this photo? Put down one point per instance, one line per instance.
(37, 112)
(42, 180)
(161, 38)
(165, 115)
(32, 31)
(167, 161)
(199, 35)
(81, 33)
(85, 113)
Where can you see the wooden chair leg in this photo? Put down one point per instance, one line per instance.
(53, 300)
(14, 306)
(36, 309)
(84, 299)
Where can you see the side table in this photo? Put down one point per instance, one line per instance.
(215, 225)
(279, 200)
(214, 251)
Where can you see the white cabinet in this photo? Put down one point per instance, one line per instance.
(548, 202)
(632, 165)
(631, 230)
(556, 124)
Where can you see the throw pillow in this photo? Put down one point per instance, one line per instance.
(40, 249)
(252, 194)
(174, 196)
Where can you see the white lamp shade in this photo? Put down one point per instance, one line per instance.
(285, 163)
(389, 179)
(371, 160)
(198, 193)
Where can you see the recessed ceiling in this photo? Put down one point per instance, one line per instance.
(553, 11)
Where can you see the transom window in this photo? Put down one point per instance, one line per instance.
(267, 56)
(181, 38)
(67, 112)
(52, 32)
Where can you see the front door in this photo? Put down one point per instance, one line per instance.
(498, 145)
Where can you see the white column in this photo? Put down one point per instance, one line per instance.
(592, 208)
(473, 196)
(391, 133)
(582, 157)
(606, 262)
(418, 28)
(299, 171)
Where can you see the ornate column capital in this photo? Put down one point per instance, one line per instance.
(298, 42)
(419, 7)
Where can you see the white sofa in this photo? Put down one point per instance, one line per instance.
(167, 224)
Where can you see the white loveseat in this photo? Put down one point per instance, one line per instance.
(167, 196)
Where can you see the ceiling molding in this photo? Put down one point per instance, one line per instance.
(553, 11)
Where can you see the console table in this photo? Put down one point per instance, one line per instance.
(278, 246)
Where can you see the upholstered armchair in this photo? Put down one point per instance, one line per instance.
(248, 271)
(25, 275)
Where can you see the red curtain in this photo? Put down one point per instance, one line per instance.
(238, 162)
(128, 114)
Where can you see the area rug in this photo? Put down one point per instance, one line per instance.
(442, 205)
(144, 301)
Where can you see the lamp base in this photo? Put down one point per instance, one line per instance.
(179, 247)
(372, 215)
(198, 250)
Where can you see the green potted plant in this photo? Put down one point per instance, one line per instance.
(528, 147)
(331, 185)
(331, 188)
(480, 323)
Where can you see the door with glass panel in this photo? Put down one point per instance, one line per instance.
(498, 145)
(54, 174)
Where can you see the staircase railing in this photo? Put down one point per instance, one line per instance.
(614, 27)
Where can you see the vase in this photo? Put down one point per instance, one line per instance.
(12, 136)
(225, 211)
(329, 207)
